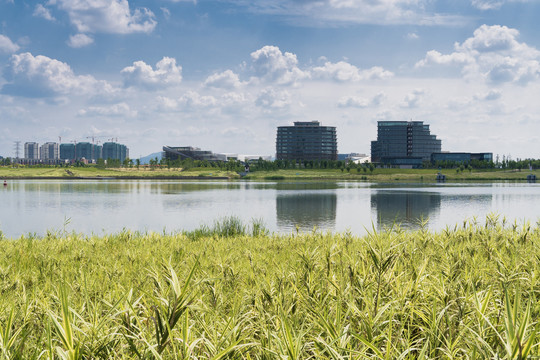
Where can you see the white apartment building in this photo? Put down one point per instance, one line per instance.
(49, 151)
(31, 150)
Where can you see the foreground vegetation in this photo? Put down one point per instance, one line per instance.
(237, 292)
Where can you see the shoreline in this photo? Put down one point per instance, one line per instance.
(271, 178)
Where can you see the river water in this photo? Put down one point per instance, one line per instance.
(103, 206)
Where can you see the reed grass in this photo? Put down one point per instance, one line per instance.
(233, 291)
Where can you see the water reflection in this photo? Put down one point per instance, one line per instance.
(405, 208)
(306, 210)
(110, 206)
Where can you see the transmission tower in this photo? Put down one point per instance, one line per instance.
(17, 149)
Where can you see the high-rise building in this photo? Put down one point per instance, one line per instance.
(306, 141)
(406, 143)
(67, 152)
(88, 151)
(49, 151)
(31, 150)
(115, 151)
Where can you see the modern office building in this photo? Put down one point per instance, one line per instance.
(31, 151)
(115, 151)
(306, 141)
(461, 157)
(189, 152)
(404, 143)
(49, 151)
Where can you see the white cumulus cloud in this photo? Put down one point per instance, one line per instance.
(193, 99)
(6, 45)
(343, 71)
(166, 74)
(107, 16)
(353, 101)
(42, 12)
(79, 40)
(42, 76)
(273, 99)
(271, 64)
(227, 79)
(492, 53)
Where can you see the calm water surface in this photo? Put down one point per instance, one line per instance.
(35, 206)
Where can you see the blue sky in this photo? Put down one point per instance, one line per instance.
(222, 75)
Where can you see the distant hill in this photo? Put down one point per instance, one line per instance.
(145, 160)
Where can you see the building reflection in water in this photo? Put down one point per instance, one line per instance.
(404, 208)
(306, 210)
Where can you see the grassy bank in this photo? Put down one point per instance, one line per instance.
(389, 175)
(92, 172)
(378, 175)
(237, 292)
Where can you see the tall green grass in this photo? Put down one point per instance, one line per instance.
(234, 291)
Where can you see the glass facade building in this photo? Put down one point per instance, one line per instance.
(67, 151)
(87, 151)
(461, 157)
(306, 141)
(404, 143)
(115, 151)
(188, 152)
(79, 151)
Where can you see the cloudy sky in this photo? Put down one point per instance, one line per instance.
(223, 74)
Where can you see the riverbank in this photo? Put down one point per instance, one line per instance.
(377, 175)
(231, 291)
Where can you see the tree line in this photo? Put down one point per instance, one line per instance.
(272, 165)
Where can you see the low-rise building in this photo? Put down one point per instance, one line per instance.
(188, 152)
(461, 157)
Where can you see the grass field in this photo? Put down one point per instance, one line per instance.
(94, 172)
(231, 291)
(378, 175)
(385, 175)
